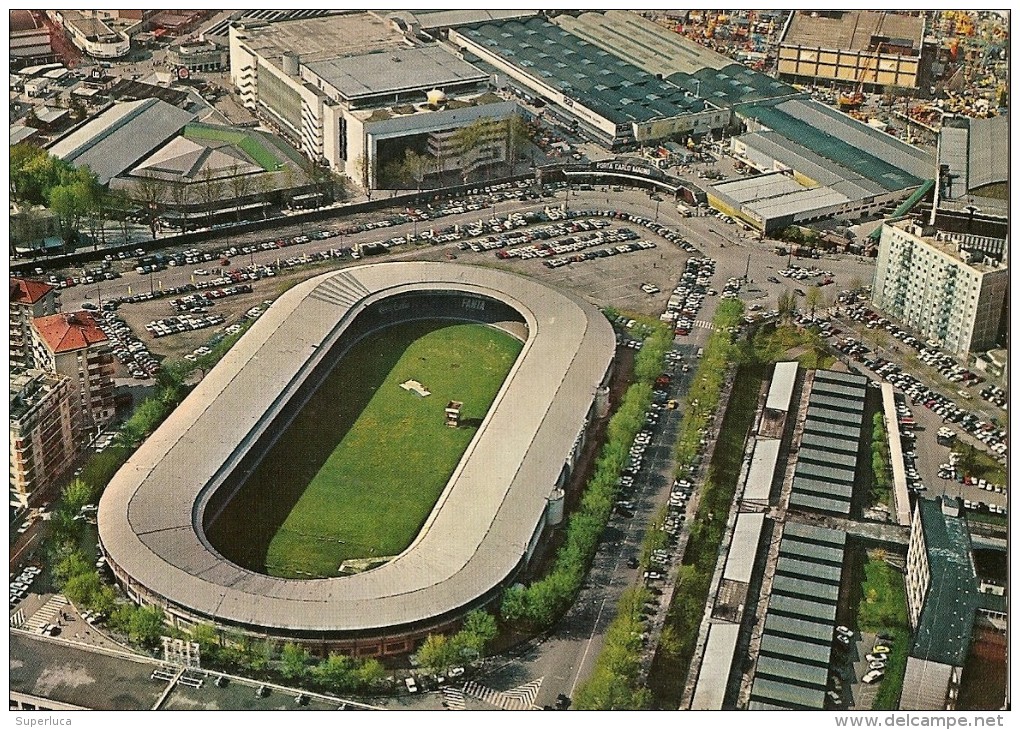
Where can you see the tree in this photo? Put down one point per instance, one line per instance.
(855, 284)
(80, 588)
(207, 638)
(240, 188)
(211, 192)
(76, 494)
(369, 672)
(103, 600)
(469, 138)
(146, 625)
(437, 653)
(363, 166)
(70, 566)
(478, 630)
(151, 192)
(180, 194)
(517, 136)
(786, 304)
(294, 661)
(813, 298)
(335, 672)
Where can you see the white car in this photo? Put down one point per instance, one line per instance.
(873, 676)
(411, 685)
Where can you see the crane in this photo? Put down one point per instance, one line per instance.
(855, 99)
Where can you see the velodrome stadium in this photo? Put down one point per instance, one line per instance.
(504, 492)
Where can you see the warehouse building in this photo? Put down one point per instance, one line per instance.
(816, 163)
(792, 668)
(973, 175)
(878, 49)
(950, 288)
(827, 459)
(605, 96)
(117, 139)
(351, 92)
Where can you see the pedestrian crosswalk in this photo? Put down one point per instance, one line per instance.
(704, 324)
(18, 618)
(518, 698)
(49, 613)
(454, 698)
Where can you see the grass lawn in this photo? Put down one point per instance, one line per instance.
(360, 469)
(247, 142)
(883, 609)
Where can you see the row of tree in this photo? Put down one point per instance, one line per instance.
(540, 604)
(439, 652)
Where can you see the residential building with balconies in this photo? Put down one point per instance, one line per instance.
(44, 434)
(28, 300)
(73, 345)
(948, 287)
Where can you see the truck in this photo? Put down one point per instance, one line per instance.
(683, 210)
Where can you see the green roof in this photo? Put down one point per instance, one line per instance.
(605, 83)
(947, 617)
(817, 572)
(831, 147)
(788, 694)
(784, 584)
(732, 85)
(814, 534)
(814, 610)
(805, 651)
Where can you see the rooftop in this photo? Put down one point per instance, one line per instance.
(432, 19)
(605, 83)
(642, 42)
(69, 331)
(854, 30)
(116, 139)
(947, 618)
(27, 291)
(836, 137)
(316, 39)
(394, 71)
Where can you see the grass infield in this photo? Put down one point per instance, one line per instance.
(247, 142)
(361, 467)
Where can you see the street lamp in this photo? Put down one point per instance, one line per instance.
(657, 210)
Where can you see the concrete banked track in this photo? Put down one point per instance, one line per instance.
(477, 536)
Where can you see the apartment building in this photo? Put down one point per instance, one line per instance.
(28, 300)
(73, 345)
(44, 433)
(949, 288)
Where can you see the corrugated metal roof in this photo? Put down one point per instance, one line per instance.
(811, 551)
(836, 403)
(814, 610)
(115, 140)
(925, 684)
(758, 484)
(839, 390)
(784, 669)
(805, 589)
(809, 571)
(822, 504)
(823, 414)
(836, 430)
(799, 628)
(710, 691)
(835, 376)
(832, 458)
(805, 651)
(988, 152)
(744, 547)
(822, 488)
(814, 534)
(825, 443)
(801, 697)
(784, 377)
(824, 472)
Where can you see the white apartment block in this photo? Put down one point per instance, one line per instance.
(950, 289)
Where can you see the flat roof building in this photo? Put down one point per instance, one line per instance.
(609, 98)
(949, 288)
(942, 600)
(876, 48)
(351, 91)
(972, 195)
